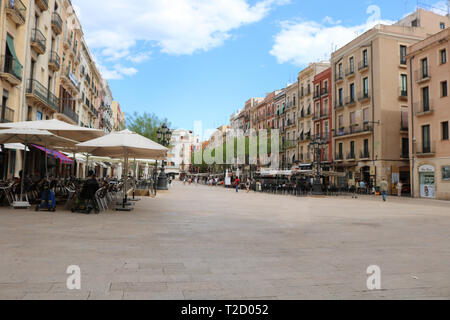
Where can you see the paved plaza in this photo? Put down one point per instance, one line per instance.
(196, 242)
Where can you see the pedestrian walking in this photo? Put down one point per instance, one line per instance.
(399, 188)
(384, 189)
(237, 182)
(247, 186)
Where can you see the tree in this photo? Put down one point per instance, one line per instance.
(146, 124)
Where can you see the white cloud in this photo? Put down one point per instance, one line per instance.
(115, 29)
(304, 42)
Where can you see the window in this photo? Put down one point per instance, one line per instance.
(30, 114)
(365, 59)
(341, 96)
(366, 87)
(405, 123)
(366, 115)
(341, 121)
(352, 65)
(352, 118)
(425, 99)
(404, 85)
(405, 148)
(340, 70)
(415, 23)
(352, 92)
(403, 55)
(442, 25)
(424, 65)
(443, 56)
(341, 150)
(38, 115)
(444, 89)
(426, 139)
(446, 173)
(444, 126)
(366, 148)
(352, 150)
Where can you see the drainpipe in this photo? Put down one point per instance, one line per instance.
(413, 142)
(373, 110)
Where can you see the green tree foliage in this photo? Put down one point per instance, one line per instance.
(146, 124)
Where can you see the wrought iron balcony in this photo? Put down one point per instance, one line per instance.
(339, 77)
(349, 72)
(364, 154)
(339, 157)
(426, 150)
(423, 75)
(423, 107)
(403, 94)
(324, 92)
(54, 61)
(363, 65)
(56, 23)
(364, 95)
(353, 129)
(11, 70)
(70, 113)
(42, 4)
(41, 95)
(7, 114)
(351, 155)
(16, 11)
(338, 105)
(38, 41)
(350, 101)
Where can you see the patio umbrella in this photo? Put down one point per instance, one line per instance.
(124, 144)
(27, 136)
(59, 128)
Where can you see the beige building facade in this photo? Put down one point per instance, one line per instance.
(429, 102)
(370, 95)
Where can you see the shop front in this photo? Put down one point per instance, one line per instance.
(427, 181)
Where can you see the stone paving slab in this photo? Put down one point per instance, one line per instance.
(196, 242)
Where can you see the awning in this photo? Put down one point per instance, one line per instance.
(15, 146)
(17, 66)
(58, 155)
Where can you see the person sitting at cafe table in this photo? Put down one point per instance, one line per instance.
(90, 187)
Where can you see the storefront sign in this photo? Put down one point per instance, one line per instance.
(426, 168)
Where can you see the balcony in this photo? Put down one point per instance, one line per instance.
(11, 70)
(428, 150)
(423, 108)
(42, 4)
(364, 155)
(339, 77)
(38, 41)
(422, 75)
(41, 96)
(7, 115)
(364, 96)
(351, 156)
(323, 137)
(363, 65)
(316, 94)
(350, 101)
(339, 157)
(67, 43)
(403, 94)
(69, 80)
(350, 72)
(338, 105)
(16, 11)
(70, 113)
(56, 23)
(289, 144)
(54, 61)
(353, 130)
(324, 92)
(290, 123)
(403, 62)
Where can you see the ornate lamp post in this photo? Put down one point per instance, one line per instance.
(164, 137)
(316, 145)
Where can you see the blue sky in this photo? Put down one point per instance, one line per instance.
(203, 64)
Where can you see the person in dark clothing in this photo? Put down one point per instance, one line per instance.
(90, 187)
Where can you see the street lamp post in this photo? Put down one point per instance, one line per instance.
(316, 145)
(164, 138)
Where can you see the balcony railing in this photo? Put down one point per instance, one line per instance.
(42, 4)
(364, 154)
(423, 107)
(350, 101)
(70, 113)
(427, 149)
(7, 114)
(339, 157)
(38, 41)
(353, 129)
(324, 137)
(423, 75)
(316, 94)
(403, 94)
(351, 155)
(16, 10)
(338, 105)
(364, 95)
(37, 89)
(324, 91)
(349, 72)
(339, 77)
(11, 66)
(71, 79)
(54, 61)
(362, 65)
(56, 23)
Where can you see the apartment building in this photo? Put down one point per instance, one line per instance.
(429, 109)
(290, 142)
(106, 109)
(183, 143)
(370, 92)
(118, 117)
(250, 106)
(323, 115)
(305, 110)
